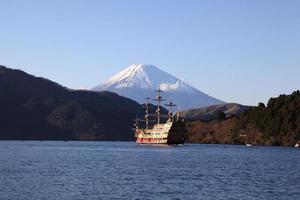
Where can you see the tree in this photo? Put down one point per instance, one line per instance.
(261, 105)
(220, 115)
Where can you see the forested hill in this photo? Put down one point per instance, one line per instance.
(37, 108)
(277, 123)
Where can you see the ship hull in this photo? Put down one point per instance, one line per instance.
(142, 140)
(171, 133)
(158, 141)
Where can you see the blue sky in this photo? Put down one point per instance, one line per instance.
(241, 51)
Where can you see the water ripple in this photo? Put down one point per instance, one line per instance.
(116, 170)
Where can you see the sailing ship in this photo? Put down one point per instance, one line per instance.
(170, 132)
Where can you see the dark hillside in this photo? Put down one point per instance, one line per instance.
(37, 108)
(278, 123)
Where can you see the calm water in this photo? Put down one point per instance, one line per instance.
(117, 170)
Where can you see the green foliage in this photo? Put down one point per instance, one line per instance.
(279, 121)
(261, 105)
(220, 115)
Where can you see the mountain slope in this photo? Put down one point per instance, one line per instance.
(209, 113)
(278, 123)
(139, 81)
(37, 108)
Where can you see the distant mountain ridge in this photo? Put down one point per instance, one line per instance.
(139, 81)
(209, 113)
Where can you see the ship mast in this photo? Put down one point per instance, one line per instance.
(170, 105)
(136, 123)
(147, 111)
(159, 99)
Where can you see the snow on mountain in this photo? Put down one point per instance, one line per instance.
(139, 81)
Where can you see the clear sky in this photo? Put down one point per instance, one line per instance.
(241, 51)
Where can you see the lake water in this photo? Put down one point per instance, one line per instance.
(125, 170)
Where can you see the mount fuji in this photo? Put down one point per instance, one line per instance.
(139, 81)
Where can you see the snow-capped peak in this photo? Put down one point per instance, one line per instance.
(140, 80)
(144, 76)
(133, 76)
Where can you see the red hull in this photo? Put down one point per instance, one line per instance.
(151, 141)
